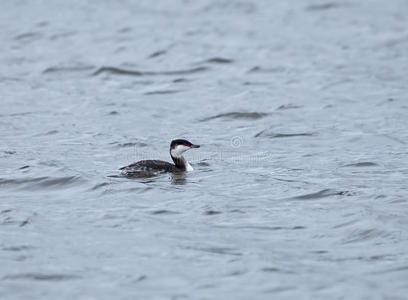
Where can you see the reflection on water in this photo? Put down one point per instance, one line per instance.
(178, 178)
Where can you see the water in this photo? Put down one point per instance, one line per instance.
(299, 189)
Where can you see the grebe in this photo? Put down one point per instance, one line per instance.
(177, 147)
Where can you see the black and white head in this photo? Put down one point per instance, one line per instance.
(178, 147)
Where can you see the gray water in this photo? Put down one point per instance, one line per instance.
(300, 184)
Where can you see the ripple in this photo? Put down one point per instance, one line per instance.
(236, 273)
(28, 36)
(237, 116)
(17, 114)
(220, 250)
(276, 270)
(164, 212)
(218, 60)
(17, 248)
(125, 29)
(362, 164)
(100, 185)
(134, 190)
(157, 53)
(42, 24)
(211, 212)
(25, 222)
(288, 106)
(141, 278)
(7, 218)
(177, 80)
(284, 135)
(8, 152)
(231, 6)
(321, 194)
(324, 6)
(41, 277)
(319, 251)
(346, 224)
(163, 92)
(281, 289)
(120, 71)
(130, 144)
(362, 235)
(258, 227)
(391, 270)
(42, 182)
(9, 79)
(68, 69)
(50, 132)
(62, 35)
(258, 69)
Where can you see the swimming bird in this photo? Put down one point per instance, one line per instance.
(177, 148)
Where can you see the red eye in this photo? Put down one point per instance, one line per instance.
(187, 145)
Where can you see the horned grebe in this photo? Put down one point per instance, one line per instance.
(177, 147)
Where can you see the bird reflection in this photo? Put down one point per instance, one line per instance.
(178, 178)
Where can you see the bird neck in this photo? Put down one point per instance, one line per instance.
(180, 162)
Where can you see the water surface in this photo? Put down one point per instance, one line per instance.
(299, 189)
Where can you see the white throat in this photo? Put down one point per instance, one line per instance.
(177, 152)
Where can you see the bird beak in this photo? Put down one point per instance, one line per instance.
(195, 146)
